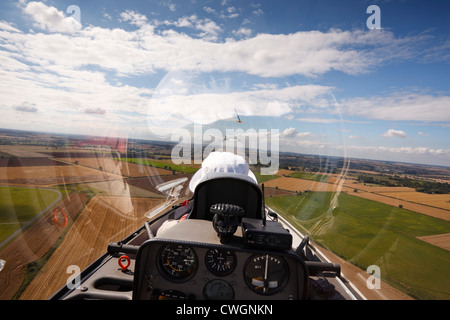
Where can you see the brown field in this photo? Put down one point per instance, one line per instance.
(440, 240)
(118, 167)
(420, 208)
(50, 176)
(282, 172)
(24, 151)
(32, 244)
(376, 189)
(434, 200)
(31, 161)
(269, 192)
(104, 220)
(294, 184)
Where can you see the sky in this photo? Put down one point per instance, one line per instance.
(318, 72)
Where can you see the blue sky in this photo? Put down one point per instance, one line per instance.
(310, 69)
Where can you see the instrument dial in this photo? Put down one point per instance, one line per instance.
(220, 262)
(177, 262)
(266, 274)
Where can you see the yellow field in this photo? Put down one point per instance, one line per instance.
(355, 184)
(282, 172)
(52, 175)
(294, 184)
(25, 151)
(434, 200)
(104, 220)
(118, 167)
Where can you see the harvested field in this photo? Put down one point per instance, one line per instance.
(434, 200)
(376, 189)
(118, 167)
(30, 162)
(439, 240)
(430, 211)
(282, 172)
(24, 151)
(269, 192)
(75, 154)
(50, 176)
(104, 220)
(32, 244)
(294, 184)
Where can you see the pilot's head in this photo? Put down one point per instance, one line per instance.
(223, 163)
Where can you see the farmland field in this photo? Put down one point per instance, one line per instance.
(52, 175)
(434, 200)
(115, 166)
(31, 245)
(390, 199)
(106, 219)
(367, 232)
(20, 205)
(295, 184)
(163, 165)
(106, 193)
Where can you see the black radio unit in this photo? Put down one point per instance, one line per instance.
(269, 234)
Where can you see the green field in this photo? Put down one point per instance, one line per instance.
(367, 232)
(161, 165)
(19, 205)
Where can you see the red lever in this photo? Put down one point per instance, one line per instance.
(124, 267)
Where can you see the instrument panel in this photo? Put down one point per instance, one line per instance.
(171, 269)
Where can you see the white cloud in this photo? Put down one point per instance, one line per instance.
(400, 106)
(134, 17)
(26, 107)
(209, 9)
(36, 66)
(51, 19)
(293, 133)
(207, 106)
(392, 133)
(243, 32)
(148, 49)
(410, 152)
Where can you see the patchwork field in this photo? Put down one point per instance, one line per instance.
(118, 167)
(52, 175)
(435, 205)
(104, 220)
(295, 184)
(32, 244)
(19, 206)
(393, 227)
(390, 199)
(433, 200)
(403, 243)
